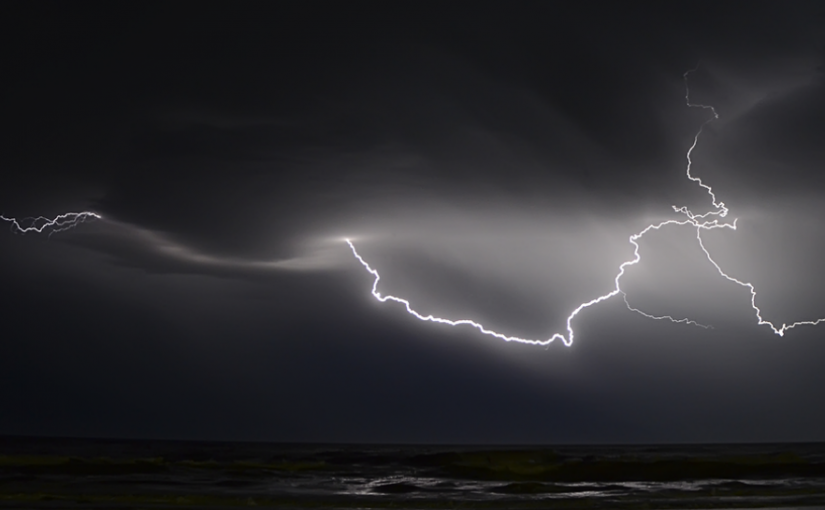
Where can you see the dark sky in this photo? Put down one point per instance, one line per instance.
(490, 160)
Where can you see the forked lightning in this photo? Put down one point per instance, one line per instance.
(707, 221)
(715, 218)
(42, 224)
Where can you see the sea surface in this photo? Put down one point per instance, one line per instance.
(94, 473)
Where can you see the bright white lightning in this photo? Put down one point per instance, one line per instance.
(568, 339)
(59, 223)
(706, 221)
(762, 322)
(722, 211)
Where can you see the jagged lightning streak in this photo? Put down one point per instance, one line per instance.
(722, 211)
(752, 289)
(706, 221)
(568, 340)
(59, 223)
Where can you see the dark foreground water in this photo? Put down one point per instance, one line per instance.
(75, 473)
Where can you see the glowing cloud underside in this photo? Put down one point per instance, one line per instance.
(710, 220)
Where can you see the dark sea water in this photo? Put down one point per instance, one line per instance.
(86, 473)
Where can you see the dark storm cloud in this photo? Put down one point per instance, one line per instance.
(490, 160)
(446, 119)
(775, 147)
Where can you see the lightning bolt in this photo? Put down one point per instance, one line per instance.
(707, 221)
(760, 321)
(59, 223)
(567, 339)
(722, 211)
(710, 220)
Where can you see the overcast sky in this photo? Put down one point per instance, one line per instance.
(489, 160)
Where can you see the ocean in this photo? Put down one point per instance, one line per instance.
(125, 474)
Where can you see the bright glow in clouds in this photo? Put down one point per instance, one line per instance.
(706, 221)
(712, 219)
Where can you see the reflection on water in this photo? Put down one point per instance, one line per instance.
(71, 473)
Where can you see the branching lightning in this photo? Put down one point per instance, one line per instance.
(42, 224)
(715, 218)
(707, 221)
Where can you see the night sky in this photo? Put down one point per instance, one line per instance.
(489, 160)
